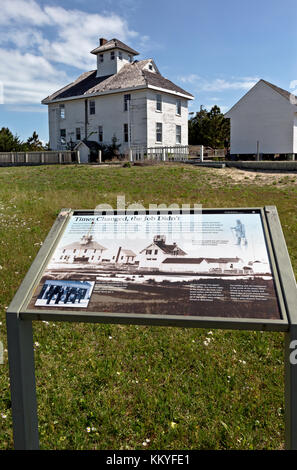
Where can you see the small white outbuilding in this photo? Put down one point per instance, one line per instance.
(264, 121)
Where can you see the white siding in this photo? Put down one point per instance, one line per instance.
(109, 113)
(168, 118)
(262, 115)
(109, 66)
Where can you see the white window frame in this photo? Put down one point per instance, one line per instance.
(178, 134)
(112, 55)
(92, 107)
(62, 138)
(120, 55)
(178, 107)
(101, 58)
(159, 102)
(62, 111)
(100, 133)
(159, 131)
(126, 99)
(126, 132)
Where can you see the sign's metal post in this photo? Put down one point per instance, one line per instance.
(22, 382)
(288, 284)
(291, 388)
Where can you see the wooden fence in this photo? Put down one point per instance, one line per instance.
(177, 153)
(38, 158)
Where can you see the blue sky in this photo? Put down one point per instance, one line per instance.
(217, 50)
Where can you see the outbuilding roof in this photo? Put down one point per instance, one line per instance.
(200, 260)
(133, 75)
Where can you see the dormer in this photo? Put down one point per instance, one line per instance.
(112, 56)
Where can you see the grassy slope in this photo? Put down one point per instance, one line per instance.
(126, 384)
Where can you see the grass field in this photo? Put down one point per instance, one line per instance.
(135, 387)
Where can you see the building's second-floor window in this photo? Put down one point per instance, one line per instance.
(158, 131)
(120, 55)
(78, 134)
(178, 107)
(127, 99)
(159, 102)
(100, 134)
(101, 57)
(112, 55)
(63, 136)
(92, 107)
(178, 134)
(126, 133)
(130, 58)
(62, 111)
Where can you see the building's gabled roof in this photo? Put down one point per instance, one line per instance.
(89, 246)
(200, 260)
(130, 76)
(114, 44)
(284, 93)
(128, 252)
(91, 144)
(167, 249)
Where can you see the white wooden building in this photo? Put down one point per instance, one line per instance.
(123, 97)
(264, 121)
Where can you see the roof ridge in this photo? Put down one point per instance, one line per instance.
(286, 94)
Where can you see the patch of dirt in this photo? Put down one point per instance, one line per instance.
(241, 176)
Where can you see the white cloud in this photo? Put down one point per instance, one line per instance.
(222, 85)
(34, 39)
(219, 84)
(27, 78)
(22, 11)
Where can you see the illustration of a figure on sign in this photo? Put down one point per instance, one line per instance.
(239, 231)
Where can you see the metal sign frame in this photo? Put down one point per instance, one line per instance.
(20, 337)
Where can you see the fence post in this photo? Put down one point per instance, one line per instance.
(60, 157)
(201, 153)
(42, 157)
(164, 154)
(99, 156)
(130, 155)
(26, 158)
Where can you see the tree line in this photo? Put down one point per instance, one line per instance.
(209, 128)
(12, 143)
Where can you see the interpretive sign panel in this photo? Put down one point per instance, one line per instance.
(207, 264)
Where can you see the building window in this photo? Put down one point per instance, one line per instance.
(127, 99)
(178, 107)
(100, 133)
(159, 102)
(150, 67)
(101, 57)
(63, 136)
(78, 135)
(120, 55)
(62, 111)
(92, 107)
(126, 133)
(178, 134)
(130, 58)
(148, 252)
(158, 131)
(112, 55)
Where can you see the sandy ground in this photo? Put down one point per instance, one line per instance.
(260, 177)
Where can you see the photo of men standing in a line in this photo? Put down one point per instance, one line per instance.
(65, 293)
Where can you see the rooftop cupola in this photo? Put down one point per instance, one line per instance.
(112, 55)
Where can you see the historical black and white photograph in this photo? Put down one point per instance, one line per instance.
(210, 264)
(65, 293)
